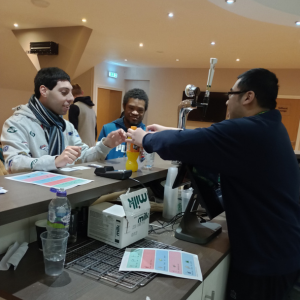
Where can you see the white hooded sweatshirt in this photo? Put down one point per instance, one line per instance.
(25, 147)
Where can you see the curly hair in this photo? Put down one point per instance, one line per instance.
(136, 94)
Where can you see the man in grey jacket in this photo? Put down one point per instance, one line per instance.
(36, 137)
(83, 116)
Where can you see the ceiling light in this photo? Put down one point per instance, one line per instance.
(230, 1)
(177, 59)
(171, 15)
(298, 23)
(141, 44)
(125, 59)
(237, 59)
(83, 20)
(16, 25)
(213, 43)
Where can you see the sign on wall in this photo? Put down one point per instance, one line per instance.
(284, 109)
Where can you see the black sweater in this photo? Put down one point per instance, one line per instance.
(260, 186)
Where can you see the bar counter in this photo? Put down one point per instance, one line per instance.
(29, 280)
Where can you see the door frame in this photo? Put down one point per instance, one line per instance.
(100, 86)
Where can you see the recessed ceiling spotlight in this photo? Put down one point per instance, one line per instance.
(237, 59)
(125, 59)
(212, 43)
(141, 44)
(171, 15)
(16, 25)
(177, 59)
(298, 23)
(40, 3)
(230, 1)
(83, 20)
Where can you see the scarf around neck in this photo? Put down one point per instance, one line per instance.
(53, 125)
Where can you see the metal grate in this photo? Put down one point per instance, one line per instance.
(101, 262)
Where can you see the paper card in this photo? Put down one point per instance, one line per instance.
(67, 169)
(49, 180)
(162, 261)
(81, 168)
(2, 190)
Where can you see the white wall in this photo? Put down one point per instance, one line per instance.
(12, 98)
(167, 85)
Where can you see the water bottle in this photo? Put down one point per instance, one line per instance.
(59, 211)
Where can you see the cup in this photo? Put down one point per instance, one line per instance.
(54, 250)
(40, 227)
(185, 196)
(149, 160)
(171, 176)
(170, 203)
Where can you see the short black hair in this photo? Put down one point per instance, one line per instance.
(136, 94)
(263, 83)
(49, 78)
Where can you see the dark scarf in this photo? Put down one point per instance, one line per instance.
(53, 125)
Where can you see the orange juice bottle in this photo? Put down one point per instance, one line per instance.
(132, 152)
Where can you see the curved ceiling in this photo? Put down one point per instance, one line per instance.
(261, 33)
(288, 6)
(281, 12)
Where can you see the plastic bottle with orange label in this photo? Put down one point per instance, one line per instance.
(132, 152)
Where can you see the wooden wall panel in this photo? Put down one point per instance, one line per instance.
(290, 111)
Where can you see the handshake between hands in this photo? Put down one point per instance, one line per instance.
(113, 139)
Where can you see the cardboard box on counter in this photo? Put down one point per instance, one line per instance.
(121, 225)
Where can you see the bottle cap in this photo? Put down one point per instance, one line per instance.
(133, 127)
(59, 192)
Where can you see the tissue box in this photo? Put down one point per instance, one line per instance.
(120, 225)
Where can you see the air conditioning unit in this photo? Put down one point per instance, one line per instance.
(44, 48)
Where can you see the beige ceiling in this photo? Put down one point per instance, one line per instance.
(120, 25)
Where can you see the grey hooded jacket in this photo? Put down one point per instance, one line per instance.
(25, 147)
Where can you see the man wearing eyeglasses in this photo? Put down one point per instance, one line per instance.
(259, 181)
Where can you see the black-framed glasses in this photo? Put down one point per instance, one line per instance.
(235, 93)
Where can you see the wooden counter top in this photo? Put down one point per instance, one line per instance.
(25, 200)
(29, 281)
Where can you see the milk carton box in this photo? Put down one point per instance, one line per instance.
(120, 225)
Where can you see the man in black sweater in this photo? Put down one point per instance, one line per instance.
(259, 175)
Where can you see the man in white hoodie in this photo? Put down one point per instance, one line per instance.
(36, 137)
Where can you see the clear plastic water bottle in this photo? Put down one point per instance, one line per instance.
(59, 211)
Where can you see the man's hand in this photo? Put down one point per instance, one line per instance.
(69, 155)
(136, 136)
(157, 128)
(115, 138)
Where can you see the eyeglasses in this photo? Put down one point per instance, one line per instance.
(235, 93)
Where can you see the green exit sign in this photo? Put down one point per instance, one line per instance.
(112, 74)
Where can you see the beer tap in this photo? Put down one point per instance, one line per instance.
(186, 106)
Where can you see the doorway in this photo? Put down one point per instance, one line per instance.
(109, 104)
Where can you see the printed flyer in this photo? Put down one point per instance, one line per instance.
(168, 262)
